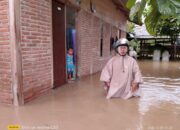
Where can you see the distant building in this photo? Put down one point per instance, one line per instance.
(149, 43)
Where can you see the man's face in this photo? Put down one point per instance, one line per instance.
(122, 50)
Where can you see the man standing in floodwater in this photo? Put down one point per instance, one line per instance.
(121, 74)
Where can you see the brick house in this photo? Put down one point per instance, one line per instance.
(33, 42)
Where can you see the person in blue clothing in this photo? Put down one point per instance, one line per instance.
(70, 64)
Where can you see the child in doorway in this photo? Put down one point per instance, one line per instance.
(70, 64)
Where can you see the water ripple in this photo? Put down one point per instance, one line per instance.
(158, 90)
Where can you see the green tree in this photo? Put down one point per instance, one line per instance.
(130, 27)
(169, 27)
(154, 12)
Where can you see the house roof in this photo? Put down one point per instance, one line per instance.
(121, 5)
(140, 32)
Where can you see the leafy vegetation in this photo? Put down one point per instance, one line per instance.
(154, 11)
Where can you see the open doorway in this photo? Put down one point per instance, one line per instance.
(59, 45)
(71, 44)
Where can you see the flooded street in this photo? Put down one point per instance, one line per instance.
(82, 105)
(160, 102)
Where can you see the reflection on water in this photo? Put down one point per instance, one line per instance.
(157, 90)
(82, 105)
(161, 84)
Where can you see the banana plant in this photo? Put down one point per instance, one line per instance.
(154, 12)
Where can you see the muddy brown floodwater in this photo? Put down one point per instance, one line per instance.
(82, 105)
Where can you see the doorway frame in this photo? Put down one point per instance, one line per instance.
(52, 43)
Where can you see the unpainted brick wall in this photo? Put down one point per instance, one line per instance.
(89, 35)
(5, 55)
(87, 41)
(36, 45)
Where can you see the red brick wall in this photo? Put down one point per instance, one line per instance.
(106, 39)
(89, 35)
(123, 34)
(107, 11)
(36, 47)
(99, 61)
(88, 41)
(36, 43)
(114, 31)
(5, 55)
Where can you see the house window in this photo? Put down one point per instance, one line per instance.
(120, 34)
(111, 43)
(101, 41)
